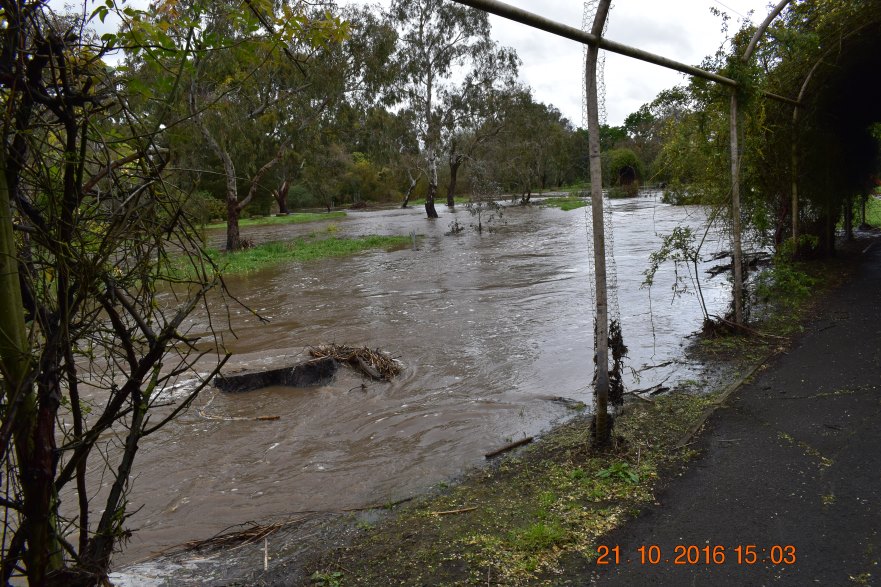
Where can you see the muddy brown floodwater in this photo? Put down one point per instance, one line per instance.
(490, 329)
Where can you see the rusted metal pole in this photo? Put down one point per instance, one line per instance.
(762, 28)
(534, 20)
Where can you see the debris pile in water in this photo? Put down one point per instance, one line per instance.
(373, 363)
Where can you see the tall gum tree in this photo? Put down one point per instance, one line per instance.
(435, 37)
(473, 111)
(248, 86)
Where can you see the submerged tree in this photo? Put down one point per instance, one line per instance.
(473, 112)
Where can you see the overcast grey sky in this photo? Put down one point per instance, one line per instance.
(683, 30)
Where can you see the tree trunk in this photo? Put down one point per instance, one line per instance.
(736, 244)
(233, 240)
(794, 195)
(33, 425)
(432, 184)
(410, 188)
(455, 163)
(14, 349)
(735, 169)
(848, 219)
(101, 546)
(602, 421)
(233, 237)
(281, 196)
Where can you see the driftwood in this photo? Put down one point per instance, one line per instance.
(372, 363)
(509, 447)
(654, 390)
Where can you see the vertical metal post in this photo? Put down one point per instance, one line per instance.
(601, 386)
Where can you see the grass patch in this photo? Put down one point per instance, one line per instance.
(567, 203)
(297, 218)
(302, 249)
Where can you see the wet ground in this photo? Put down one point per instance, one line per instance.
(491, 328)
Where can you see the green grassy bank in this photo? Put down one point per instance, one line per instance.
(567, 203)
(303, 249)
(297, 218)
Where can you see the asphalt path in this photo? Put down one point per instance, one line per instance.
(787, 490)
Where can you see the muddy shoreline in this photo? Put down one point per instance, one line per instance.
(292, 549)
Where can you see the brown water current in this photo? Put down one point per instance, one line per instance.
(489, 327)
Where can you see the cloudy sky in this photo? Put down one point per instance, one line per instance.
(683, 30)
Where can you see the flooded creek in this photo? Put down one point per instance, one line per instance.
(490, 328)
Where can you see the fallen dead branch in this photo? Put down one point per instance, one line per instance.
(372, 363)
(254, 533)
(509, 447)
(454, 512)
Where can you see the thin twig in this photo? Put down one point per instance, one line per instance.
(453, 512)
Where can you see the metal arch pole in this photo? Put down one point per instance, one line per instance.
(536, 21)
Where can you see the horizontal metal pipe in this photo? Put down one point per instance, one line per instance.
(534, 20)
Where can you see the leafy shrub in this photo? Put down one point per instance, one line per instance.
(784, 283)
(202, 207)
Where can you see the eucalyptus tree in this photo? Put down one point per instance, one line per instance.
(473, 111)
(437, 39)
(357, 128)
(250, 96)
(534, 149)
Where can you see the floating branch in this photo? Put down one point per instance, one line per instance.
(372, 363)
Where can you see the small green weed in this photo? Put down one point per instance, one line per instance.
(334, 579)
(540, 536)
(577, 474)
(619, 470)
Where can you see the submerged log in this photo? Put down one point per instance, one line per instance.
(308, 374)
